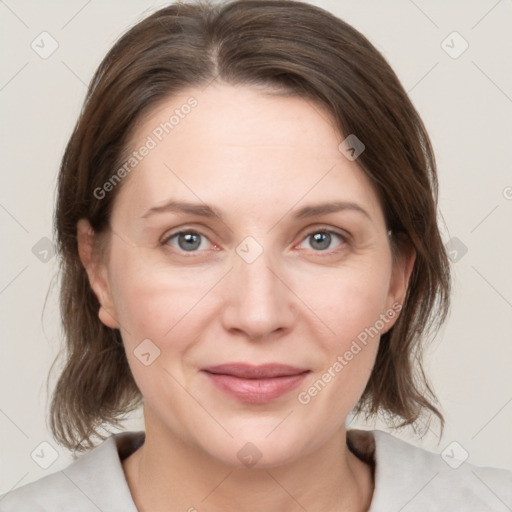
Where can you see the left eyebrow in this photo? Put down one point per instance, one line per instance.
(324, 208)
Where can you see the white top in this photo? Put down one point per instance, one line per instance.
(407, 479)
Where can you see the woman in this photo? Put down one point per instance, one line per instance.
(246, 219)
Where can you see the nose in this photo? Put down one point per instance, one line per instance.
(257, 300)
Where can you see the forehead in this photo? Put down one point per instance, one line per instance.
(240, 115)
(242, 146)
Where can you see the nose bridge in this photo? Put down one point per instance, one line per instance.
(258, 302)
(258, 277)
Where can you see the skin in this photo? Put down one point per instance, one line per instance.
(257, 158)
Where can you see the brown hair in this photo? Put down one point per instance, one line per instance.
(280, 44)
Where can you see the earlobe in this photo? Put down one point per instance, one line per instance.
(96, 273)
(401, 274)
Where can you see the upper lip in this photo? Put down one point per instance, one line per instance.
(249, 371)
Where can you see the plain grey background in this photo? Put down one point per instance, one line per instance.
(454, 60)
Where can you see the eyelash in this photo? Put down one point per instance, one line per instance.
(345, 239)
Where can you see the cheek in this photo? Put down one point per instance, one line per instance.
(348, 299)
(162, 307)
(156, 301)
(350, 303)
(353, 314)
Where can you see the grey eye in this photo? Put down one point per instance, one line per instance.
(187, 241)
(320, 240)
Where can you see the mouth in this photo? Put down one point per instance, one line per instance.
(255, 384)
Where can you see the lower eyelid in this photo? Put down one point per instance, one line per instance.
(343, 238)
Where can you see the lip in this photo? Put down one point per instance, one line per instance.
(255, 384)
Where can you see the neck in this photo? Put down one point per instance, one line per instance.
(166, 473)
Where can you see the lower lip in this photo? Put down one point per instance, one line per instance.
(256, 391)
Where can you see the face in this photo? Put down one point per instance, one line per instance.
(249, 270)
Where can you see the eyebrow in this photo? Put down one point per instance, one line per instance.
(204, 210)
(324, 208)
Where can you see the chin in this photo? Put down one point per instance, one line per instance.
(254, 447)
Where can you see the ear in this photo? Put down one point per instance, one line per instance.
(403, 265)
(97, 273)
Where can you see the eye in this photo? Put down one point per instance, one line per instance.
(187, 241)
(322, 239)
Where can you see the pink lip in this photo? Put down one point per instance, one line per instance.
(255, 384)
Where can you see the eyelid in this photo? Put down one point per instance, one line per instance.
(306, 232)
(167, 237)
(323, 228)
(183, 229)
(345, 238)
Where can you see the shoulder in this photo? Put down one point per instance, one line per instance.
(94, 482)
(409, 478)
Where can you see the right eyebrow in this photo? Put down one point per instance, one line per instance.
(202, 210)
